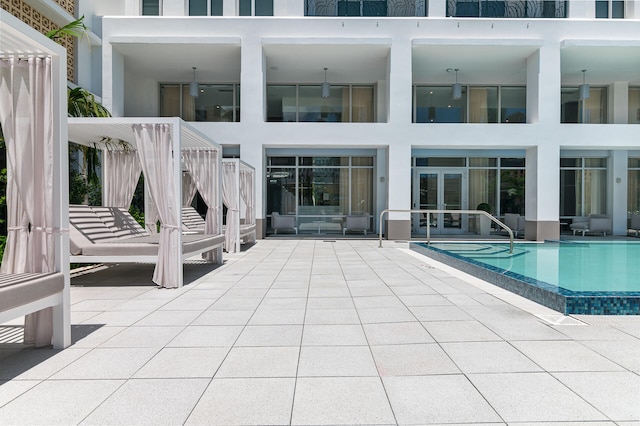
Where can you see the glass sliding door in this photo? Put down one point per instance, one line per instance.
(440, 190)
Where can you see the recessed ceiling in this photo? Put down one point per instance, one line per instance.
(348, 64)
(174, 62)
(604, 64)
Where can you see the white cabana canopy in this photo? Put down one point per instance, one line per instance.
(156, 142)
(33, 109)
(238, 186)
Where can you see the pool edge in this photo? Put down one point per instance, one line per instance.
(567, 305)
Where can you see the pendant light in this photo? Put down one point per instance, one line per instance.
(583, 89)
(456, 89)
(326, 88)
(193, 86)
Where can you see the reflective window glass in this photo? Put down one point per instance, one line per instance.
(513, 104)
(435, 105)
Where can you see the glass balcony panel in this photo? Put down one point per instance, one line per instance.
(513, 104)
(435, 105)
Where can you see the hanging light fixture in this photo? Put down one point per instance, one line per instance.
(456, 89)
(193, 86)
(583, 89)
(326, 88)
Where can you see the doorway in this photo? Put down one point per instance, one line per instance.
(440, 189)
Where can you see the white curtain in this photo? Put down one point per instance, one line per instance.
(247, 183)
(231, 200)
(203, 167)
(121, 170)
(188, 189)
(478, 111)
(26, 108)
(154, 144)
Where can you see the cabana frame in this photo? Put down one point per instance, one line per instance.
(91, 131)
(18, 40)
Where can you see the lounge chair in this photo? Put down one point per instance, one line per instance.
(193, 223)
(634, 225)
(358, 223)
(283, 222)
(594, 223)
(515, 222)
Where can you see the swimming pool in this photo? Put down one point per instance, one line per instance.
(571, 277)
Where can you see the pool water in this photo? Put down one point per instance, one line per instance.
(579, 266)
(584, 277)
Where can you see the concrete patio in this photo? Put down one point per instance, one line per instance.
(314, 332)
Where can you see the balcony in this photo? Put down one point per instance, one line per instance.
(391, 8)
(506, 9)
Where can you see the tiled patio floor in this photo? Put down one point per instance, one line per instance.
(317, 332)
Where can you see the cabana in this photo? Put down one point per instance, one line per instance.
(153, 143)
(238, 192)
(34, 276)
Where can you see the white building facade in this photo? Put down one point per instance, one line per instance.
(431, 104)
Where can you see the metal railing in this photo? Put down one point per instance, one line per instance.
(429, 212)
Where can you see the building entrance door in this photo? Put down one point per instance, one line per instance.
(440, 189)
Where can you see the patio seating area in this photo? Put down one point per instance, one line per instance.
(321, 332)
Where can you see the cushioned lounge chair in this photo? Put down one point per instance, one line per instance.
(594, 223)
(634, 223)
(357, 223)
(283, 222)
(515, 222)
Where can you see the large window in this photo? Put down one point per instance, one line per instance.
(151, 7)
(633, 186)
(365, 8)
(592, 110)
(255, 7)
(320, 189)
(215, 102)
(304, 103)
(507, 8)
(205, 7)
(610, 9)
(583, 186)
(478, 104)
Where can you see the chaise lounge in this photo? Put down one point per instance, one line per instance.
(594, 223)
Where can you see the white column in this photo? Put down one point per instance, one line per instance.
(632, 9)
(437, 8)
(543, 85)
(582, 9)
(619, 100)
(399, 175)
(253, 110)
(618, 175)
(229, 8)
(174, 8)
(112, 80)
(542, 192)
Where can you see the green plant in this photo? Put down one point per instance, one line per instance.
(137, 215)
(484, 207)
(75, 28)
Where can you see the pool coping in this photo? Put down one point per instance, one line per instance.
(559, 299)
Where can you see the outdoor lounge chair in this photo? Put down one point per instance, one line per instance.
(282, 222)
(594, 223)
(515, 222)
(359, 223)
(634, 223)
(192, 222)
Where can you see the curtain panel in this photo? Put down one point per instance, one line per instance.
(26, 117)
(247, 183)
(155, 150)
(232, 201)
(121, 171)
(188, 189)
(203, 167)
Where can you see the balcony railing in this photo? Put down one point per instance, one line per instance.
(506, 9)
(365, 8)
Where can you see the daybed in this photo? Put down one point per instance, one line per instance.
(96, 237)
(150, 144)
(34, 278)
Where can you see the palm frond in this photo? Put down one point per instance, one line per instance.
(75, 28)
